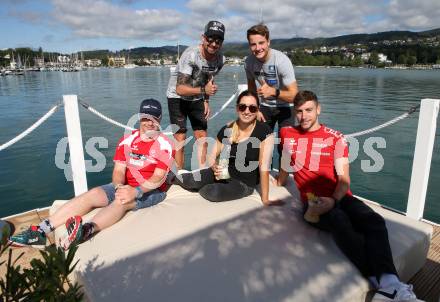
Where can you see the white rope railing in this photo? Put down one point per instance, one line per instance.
(360, 133)
(226, 103)
(104, 117)
(31, 128)
(112, 121)
(389, 123)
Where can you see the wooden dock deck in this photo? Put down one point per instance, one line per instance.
(21, 223)
(426, 282)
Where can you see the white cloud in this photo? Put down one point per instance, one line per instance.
(415, 15)
(93, 19)
(207, 7)
(315, 18)
(285, 18)
(118, 20)
(307, 18)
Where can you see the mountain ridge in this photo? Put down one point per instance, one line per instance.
(282, 44)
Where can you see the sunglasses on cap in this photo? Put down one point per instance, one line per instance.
(252, 108)
(211, 40)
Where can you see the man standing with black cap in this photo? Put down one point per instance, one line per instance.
(142, 161)
(191, 86)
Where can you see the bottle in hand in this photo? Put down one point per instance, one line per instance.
(313, 201)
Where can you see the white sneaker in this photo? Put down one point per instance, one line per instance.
(399, 292)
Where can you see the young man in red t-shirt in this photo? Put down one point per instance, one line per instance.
(142, 161)
(318, 157)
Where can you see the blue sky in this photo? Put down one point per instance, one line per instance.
(72, 25)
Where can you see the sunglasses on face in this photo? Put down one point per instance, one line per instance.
(252, 108)
(211, 40)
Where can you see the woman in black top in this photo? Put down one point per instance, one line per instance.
(247, 146)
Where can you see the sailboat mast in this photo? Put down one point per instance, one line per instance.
(178, 51)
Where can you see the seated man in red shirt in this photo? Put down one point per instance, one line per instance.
(142, 161)
(318, 156)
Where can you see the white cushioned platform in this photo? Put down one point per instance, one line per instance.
(188, 249)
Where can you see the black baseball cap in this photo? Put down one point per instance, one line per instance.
(215, 29)
(150, 108)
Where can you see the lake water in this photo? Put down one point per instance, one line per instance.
(352, 100)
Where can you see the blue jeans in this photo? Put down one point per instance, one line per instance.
(149, 199)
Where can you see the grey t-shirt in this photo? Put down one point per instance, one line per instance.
(277, 71)
(201, 70)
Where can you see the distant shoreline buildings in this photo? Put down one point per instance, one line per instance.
(401, 50)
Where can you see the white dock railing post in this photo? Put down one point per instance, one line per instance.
(422, 158)
(74, 135)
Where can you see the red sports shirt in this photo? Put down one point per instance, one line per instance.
(142, 158)
(312, 158)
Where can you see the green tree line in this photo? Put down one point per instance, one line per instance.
(397, 54)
